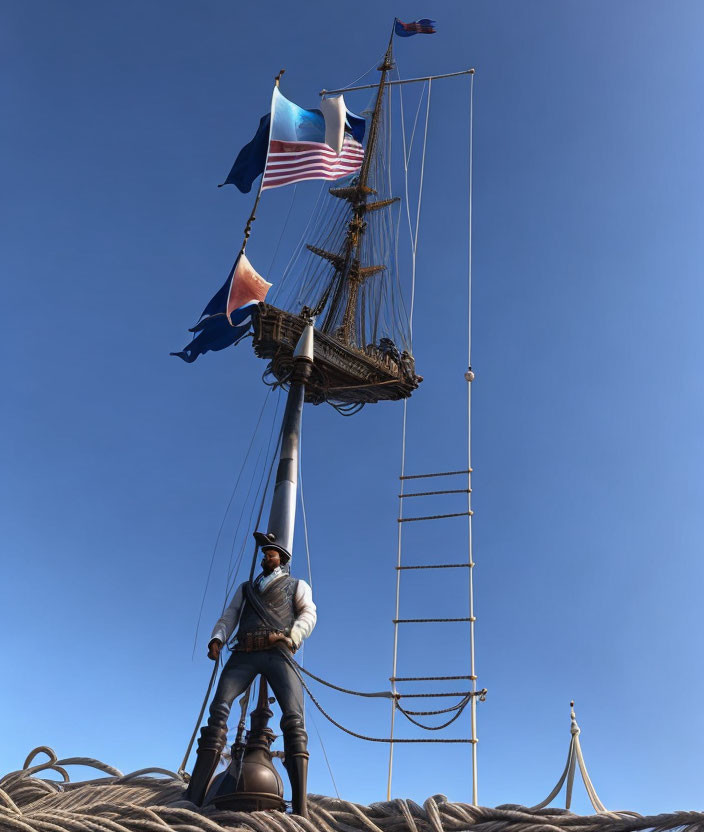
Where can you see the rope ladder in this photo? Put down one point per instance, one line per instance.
(473, 693)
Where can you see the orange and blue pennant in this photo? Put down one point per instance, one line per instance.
(228, 316)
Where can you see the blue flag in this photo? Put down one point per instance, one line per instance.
(416, 27)
(215, 333)
(228, 316)
(251, 159)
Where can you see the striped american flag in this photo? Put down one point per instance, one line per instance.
(290, 162)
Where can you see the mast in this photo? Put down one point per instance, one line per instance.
(384, 68)
(350, 274)
(282, 516)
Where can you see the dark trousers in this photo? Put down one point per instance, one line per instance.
(239, 672)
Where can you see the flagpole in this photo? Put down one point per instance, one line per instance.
(253, 215)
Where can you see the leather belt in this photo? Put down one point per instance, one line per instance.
(255, 640)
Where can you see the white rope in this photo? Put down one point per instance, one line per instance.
(397, 229)
(472, 617)
(407, 151)
(373, 66)
(283, 229)
(574, 758)
(591, 791)
(414, 251)
(224, 518)
(403, 463)
(323, 749)
(398, 599)
(298, 248)
(303, 508)
(233, 570)
(558, 786)
(469, 235)
(309, 713)
(420, 200)
(268, 455)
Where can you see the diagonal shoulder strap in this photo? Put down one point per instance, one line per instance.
(250, 595)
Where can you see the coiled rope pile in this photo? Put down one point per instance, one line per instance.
(139, 802)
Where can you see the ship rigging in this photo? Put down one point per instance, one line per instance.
(339, 334)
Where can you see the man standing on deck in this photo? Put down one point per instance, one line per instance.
(275, 613)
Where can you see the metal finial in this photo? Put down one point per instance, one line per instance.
(278, 77)
(304, 347)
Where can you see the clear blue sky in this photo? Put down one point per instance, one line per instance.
(119, 120)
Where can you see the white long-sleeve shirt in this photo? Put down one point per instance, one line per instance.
(303, 605)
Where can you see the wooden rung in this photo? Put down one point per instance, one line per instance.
(432, 493)
(425, 678)
(427, 620)
(435, 695)
(436, 516)
(434, 739)
(439, 474)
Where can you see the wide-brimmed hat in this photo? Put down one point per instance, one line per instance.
(267, 540)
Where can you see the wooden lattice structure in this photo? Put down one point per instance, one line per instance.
(342, 372)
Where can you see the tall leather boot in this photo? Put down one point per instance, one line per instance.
(297, 768)
(212, 741)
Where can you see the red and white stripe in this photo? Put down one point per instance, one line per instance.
(290, 162)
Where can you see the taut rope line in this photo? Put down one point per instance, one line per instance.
(224, 518)
(310, 581)
(182, 767)
(414, 251)
(469, 377)
(377, 695)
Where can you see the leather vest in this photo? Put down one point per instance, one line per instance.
(277, 599)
